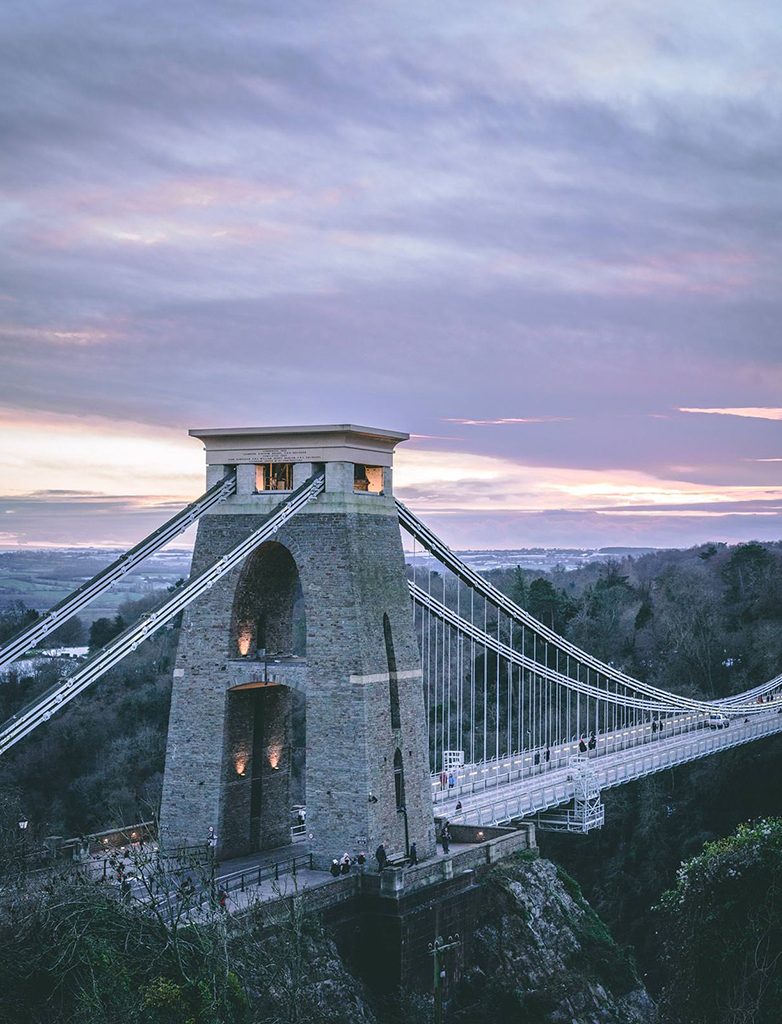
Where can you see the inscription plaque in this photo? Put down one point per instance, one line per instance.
(261, 455)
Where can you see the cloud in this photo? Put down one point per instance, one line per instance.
(571, 529)
(283, 213)
(462, 487)
(72, 520)
(100, 456)
(749, 413)
(506, 419)
(460, 481)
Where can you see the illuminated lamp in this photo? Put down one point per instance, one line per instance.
(245, 639)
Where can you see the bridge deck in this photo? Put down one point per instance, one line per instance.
(524, 791)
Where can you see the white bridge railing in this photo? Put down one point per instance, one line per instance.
(527, 797)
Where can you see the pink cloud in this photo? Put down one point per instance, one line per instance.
(506, 420)
(750, 412)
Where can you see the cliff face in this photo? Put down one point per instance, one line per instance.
(294, 972)
(542, 956)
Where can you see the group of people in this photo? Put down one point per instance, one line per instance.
(586, 745)
(344, 864)
(447, 779)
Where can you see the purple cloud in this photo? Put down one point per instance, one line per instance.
(233, 212)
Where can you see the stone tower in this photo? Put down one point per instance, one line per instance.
(318, 619)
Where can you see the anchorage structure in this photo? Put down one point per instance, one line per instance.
(299, 602)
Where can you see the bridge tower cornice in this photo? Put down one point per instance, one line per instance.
(332, 442)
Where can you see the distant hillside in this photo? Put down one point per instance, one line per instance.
(536, 559)
(41, 577)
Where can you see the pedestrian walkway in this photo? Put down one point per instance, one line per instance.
(287, 885)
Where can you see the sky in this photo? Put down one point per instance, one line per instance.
(544, 239)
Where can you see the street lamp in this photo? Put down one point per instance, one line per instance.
(22, 844)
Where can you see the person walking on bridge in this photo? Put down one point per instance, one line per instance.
(382, 857)
(445, 838)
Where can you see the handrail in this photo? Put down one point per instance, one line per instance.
(651, 758)
(245, 877)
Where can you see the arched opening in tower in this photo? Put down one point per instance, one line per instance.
(269, 620)
(268, 720)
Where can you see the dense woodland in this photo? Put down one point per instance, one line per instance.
(100, 761)
(703, 621)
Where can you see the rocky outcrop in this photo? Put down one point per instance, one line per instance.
(294, 972)
(542, 955)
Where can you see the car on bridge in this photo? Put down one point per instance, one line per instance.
(718, 721)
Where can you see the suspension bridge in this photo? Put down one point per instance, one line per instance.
(521, 721)
(429, 692)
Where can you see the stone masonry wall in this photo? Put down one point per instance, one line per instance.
(349, 557)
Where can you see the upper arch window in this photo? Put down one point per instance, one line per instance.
(269, 616)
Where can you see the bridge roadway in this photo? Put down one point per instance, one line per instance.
(524, 788)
